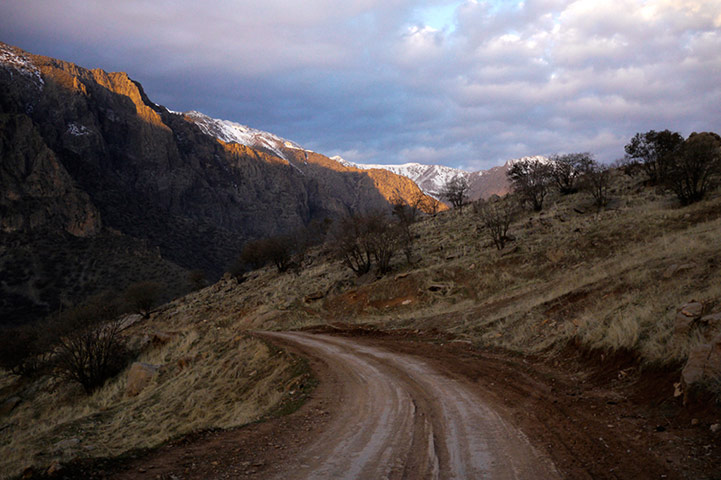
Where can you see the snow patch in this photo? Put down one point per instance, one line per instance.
(21, 64)
(232, 132)
(77, 129)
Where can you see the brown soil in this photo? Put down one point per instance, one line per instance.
(592, 415)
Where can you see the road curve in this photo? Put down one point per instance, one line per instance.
(398, 418)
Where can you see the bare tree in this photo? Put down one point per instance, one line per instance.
(531, 180)
(431, 205)
(361, 239)
(351, 244)
(88, 347)
(406, 216)
(455, 191)
(597, 181)
(496, 217)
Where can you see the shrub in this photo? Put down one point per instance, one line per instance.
(197, 279)
(531, 180)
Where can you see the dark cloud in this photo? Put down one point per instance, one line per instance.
(384, 81)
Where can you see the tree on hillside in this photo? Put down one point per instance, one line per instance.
(359, 240)
(496, 217)
(283, 251)
(531, 180)
(567, 169)
(455, 191)
(406, 215)
(597, 182)
(695, 166)
(654, 151)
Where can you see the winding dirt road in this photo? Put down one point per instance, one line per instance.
(401, 419)
(417, 405)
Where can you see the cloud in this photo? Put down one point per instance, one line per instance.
(458, 82)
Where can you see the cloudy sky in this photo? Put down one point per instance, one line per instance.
(465, 83)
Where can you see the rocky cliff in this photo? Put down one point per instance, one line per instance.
(85, 152)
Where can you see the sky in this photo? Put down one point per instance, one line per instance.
(463, 83)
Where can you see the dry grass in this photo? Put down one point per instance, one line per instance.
(574, 274)
(229, 380)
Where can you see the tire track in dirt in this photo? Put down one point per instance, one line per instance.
(398, 418)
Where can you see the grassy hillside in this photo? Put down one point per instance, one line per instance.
(609, 280)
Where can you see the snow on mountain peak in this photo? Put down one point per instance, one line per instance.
(232, 132)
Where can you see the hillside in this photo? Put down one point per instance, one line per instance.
(584, 302)
(87, 155)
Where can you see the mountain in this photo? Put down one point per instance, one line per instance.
(88, 160)
(432, 178)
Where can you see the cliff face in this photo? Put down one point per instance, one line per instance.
(86, 151)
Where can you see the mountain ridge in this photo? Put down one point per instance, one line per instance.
(432, 178)
(87, 152)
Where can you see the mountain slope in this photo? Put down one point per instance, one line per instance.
(86, 152)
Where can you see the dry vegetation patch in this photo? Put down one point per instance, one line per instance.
(208, 377)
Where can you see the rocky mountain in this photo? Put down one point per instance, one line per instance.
(432, 178)
(86, 155)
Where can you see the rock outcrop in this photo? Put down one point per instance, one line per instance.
(703, 366)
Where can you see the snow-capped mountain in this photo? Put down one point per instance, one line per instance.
(432, 178)
(232, 132)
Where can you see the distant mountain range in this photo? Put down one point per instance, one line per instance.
(432, 178)
(100, 186)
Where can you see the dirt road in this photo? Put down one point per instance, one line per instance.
(402, 419)
(417, 405)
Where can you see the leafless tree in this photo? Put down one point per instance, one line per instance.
(361, 239)
(597, 181)
(455, 191)
(88, 347)
(496, 217)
